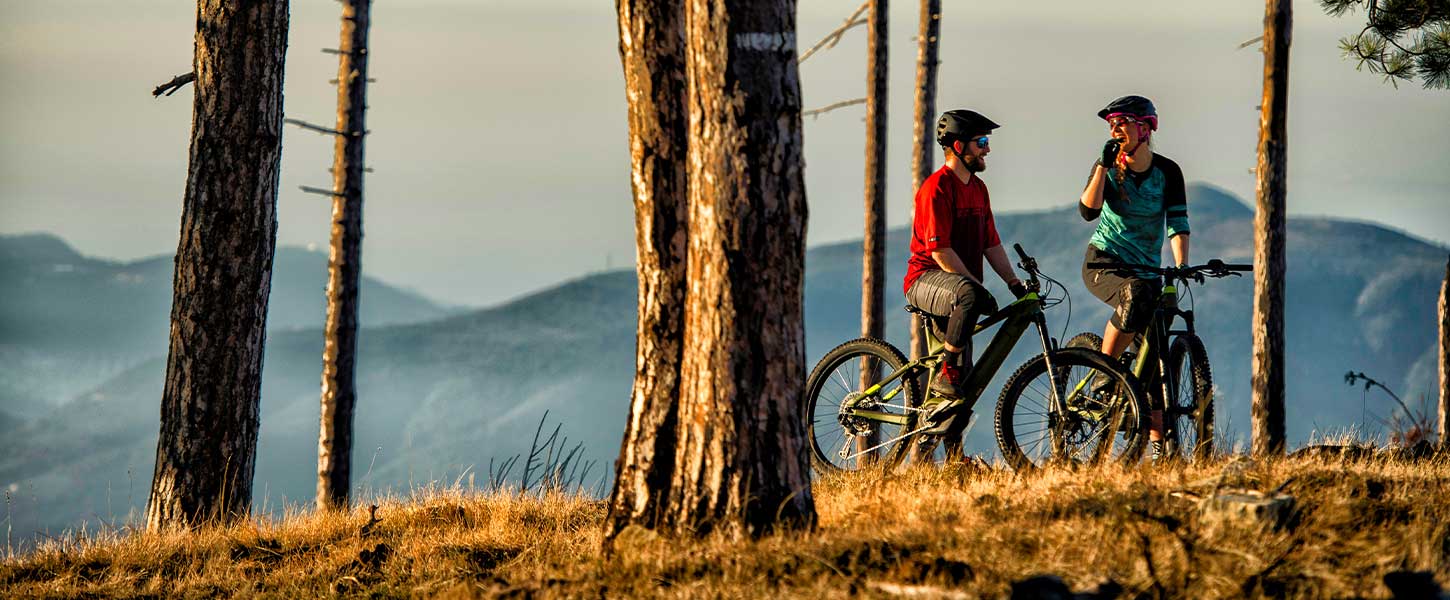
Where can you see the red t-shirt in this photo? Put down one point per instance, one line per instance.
(950, 214)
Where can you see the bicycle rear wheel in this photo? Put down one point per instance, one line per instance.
(1105, 416)
(843, 441)
(1188, 422)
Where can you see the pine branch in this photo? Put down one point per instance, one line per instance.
(835, 36)
(176, 83)
(830, 107)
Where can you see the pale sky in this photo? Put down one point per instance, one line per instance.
(499, 132)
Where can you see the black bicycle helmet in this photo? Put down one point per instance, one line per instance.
(1137, 106)
(962, 124)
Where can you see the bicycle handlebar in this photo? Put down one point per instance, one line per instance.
(1213, 268)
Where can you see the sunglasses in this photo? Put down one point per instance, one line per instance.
(1120, 121)
(981, 141)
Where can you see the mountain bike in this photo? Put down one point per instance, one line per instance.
(865, 406)
(1179, 382)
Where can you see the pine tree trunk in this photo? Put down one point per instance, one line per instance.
(206, 451)
(1269, 253)
(741, 463)
(344, 263)
(652, 49)
(923, 134)
(873, 254)
(1444, 412)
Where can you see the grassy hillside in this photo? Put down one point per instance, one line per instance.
(961, 532)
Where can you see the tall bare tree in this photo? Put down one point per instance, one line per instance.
(1443, 414)
(873, 252)
(741, 462)
(344, 262)
(923, 147)
(1269, 253)
(652, 49)
(923, 138)
(206, 451)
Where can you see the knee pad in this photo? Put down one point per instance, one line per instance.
(977, 299)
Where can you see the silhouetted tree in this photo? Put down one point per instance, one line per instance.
(652, 50)
(206, 451)
(1401, 39)
(1268, 361)
(344, 261)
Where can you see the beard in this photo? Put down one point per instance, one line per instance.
(977, 164)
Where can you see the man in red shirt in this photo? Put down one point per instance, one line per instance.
(951, 233)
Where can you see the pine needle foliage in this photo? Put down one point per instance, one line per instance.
(1403, 40)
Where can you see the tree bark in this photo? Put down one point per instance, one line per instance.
(206, 451)
(1444, 413)
(873, 252)
(923, 135)
(741, 463)
(344, 262)
(1269, 252)
(652, 50)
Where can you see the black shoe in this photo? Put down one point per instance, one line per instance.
(945, 382)
(940, 386)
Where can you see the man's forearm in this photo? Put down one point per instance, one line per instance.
(948, 260)
(997, 257)
(1179, 243)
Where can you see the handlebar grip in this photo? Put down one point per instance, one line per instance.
(1020, 252)
(1239, 267)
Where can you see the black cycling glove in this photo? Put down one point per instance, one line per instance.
(1110, 154)
(1018, 289)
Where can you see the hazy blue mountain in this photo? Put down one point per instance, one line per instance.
(439, 399)
(67, 321)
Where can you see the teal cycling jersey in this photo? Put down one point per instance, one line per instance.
(1136, 212)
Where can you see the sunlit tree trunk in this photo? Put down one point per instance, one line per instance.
(1444, 412)
(344, 264)
(206, 450)
(652, 49)
(873, 255)
(741, 463)
(923, 133)
(1269, 252)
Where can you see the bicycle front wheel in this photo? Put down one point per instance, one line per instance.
(1100, 413)
(1189, 418)
(851, 426)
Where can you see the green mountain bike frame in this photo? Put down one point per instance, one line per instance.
(943, 415)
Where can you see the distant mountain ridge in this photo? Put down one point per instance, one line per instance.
(438, 399)
(96, 316)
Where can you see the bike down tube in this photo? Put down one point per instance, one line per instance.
(1016, 318)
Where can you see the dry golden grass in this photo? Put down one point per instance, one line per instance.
(955, 532)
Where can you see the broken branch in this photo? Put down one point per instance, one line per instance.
(170, 87)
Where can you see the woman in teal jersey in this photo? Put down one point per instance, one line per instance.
(1137, 194)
